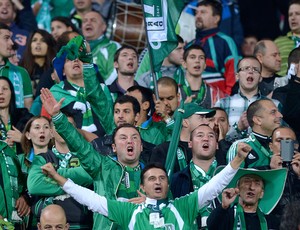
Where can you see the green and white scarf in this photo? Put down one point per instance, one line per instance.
(201, 95)
(64, 158)
(200, 178)
(239, 220)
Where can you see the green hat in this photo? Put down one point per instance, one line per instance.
(193, 108)
(274, 182)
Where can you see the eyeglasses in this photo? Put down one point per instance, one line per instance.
(249, 68)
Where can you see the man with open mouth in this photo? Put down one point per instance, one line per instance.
(248, 200)
(249, 76)
(157, 211)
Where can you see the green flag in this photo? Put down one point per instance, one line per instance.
(171, 156)
(161, 17)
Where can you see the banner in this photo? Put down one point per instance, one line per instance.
(161, 17)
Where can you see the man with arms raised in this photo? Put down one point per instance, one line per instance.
(156, 211)
(115, 177)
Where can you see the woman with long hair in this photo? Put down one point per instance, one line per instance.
(36, 138)
(12, 119)
(38, 55)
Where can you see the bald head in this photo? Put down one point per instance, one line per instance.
(267, 52)
(53, 217)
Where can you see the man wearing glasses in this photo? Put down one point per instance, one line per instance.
(249, 76)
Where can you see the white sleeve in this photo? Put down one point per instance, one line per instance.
(214, 187)
(87, 197)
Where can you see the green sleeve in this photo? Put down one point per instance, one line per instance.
(100, 98)
(89, 158)
(187, 206)
(40, 184)
(78, 175)
(117, 213)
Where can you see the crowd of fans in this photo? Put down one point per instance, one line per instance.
(87, 131)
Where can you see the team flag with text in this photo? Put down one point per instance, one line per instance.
(161, 17)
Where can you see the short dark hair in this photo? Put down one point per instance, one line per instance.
(221, 109)
(249, 57)
(215, 5)
(117, 53)
(157, 165)
(167, 81)
(129, 99)
(188, 49)
(254, 108)
(147, 95)
(206, 125)
(294, 56)
(126, 125)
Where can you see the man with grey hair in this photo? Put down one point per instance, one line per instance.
(267, 52)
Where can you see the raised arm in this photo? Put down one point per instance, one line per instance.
(215, 186)
(89, 158)
(82, 195)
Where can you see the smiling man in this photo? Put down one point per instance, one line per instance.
(263, 117)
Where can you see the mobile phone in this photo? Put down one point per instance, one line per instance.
(287, 150)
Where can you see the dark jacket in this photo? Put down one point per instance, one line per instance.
(159, 154)
(223, 219)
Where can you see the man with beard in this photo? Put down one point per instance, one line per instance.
(258, 191)
(157, 211)
(249, 76)
(125, 62)
(220, 49)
